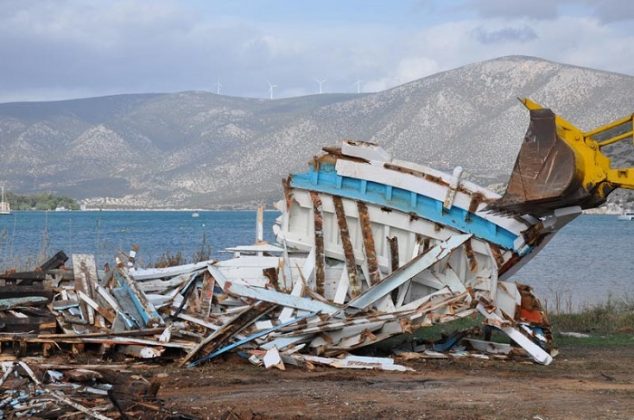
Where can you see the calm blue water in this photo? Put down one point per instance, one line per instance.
(591, 258)
(587, 261)
(105, 233)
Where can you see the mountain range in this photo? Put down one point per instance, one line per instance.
(202, 150)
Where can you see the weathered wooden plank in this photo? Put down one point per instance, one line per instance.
(56, 261)
(105, 312)
(85, 272)
(207, 292)
(394, 257)
(143, 306)
(140, 274)
(140, 351)
(283, 299)
(473, 263)
(6, 304)
(320, 258)
(351, 265)
(8, 291)
(368, 244)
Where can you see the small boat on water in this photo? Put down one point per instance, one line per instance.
(628, 215)
(195, 214)
(5, 208)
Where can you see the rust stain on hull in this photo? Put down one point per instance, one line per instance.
(351, 264)
(368, 244)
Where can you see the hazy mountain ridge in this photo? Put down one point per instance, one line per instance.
(197, 149)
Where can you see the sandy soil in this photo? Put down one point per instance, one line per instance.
(591, 382)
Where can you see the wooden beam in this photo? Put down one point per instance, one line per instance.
(368, 244)
(348, 251)
(320, 258)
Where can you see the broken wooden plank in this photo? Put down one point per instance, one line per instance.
(106, 313)
(357, 362)
(56, 261)
(10, 291)
(83, 265)
(283, 299)
(368, 244)
(141, 352)
(141, 274)
(58, 395)
(10, 303)
(272, 358)
(348, 251)
(320, 258)
(143, 306)
(394, 257)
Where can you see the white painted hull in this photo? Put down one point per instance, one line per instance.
(370, 232)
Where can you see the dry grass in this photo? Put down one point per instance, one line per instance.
(610, 317)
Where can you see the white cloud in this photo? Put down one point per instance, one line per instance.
(408, 69)
(54, 49)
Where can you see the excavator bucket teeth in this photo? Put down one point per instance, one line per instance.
(545, 174)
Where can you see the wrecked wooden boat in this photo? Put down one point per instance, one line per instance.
(368, 247)
(388, 236)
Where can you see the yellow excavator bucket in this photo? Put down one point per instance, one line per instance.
(559, 165)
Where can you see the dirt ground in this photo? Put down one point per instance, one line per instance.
(588, 382)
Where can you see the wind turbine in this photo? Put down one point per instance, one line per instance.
(358, 84)
(271, 87)
(320, 83)
(218, 86)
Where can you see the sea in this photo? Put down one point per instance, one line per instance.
(589, 261)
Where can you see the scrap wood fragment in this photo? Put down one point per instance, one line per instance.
(85, 273)
(142, 352)
(13, 291)
(272, 358)
(106, 313)
(56, 261)
(207, 293)
(10, 303)
(142, 305)
(357, 362)
(143, 274)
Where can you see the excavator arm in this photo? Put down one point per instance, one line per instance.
(559, 165)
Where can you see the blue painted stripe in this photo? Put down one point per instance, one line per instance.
(327, 180)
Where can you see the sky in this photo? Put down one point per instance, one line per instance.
(62, 49)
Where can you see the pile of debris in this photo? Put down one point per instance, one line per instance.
(368, 248)
(55, 391)
(194, 313)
